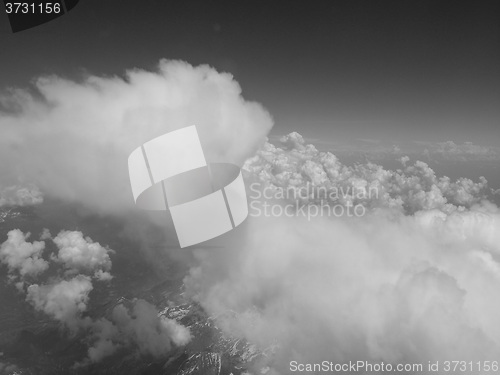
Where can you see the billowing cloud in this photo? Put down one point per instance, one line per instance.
(20, 195)
(411, 281)
(139, 326)
(136, 325)
(154, 335)
(398, 290)
(64, 300)
(80, 254)
(23, 258)
(73, 139)
(301, 166)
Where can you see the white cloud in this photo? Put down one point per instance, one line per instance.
(45, 234)
(137, 326)
(466, 151)
(152, 334)
(370, 289)
(404, 160)
(412, 281)
(64, 300)
(20, 196)
(74, 142)
(81, 254)
(297, 164)
(21, 256)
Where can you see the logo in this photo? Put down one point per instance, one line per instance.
(170, 173)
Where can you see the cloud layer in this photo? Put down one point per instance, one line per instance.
(415, 187)
(450, 150)
(413, 280)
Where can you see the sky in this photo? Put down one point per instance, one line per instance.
(334, 71)
(413, 278)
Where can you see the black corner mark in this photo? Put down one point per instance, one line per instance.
(26, 14)
(70, 4)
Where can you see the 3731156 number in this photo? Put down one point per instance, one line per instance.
(32, 8)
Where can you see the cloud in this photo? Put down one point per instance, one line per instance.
(466, 151)
(45, 234)
(452, 151)
(6, 368)
(301, 166)
(404, 160)
(73, 139)
(372, 289)
(136, 325)
(379, 150)
(151, 333)
(22, 257)
(64, 300)
(80, 254)
(414, 280)
(20, 196)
